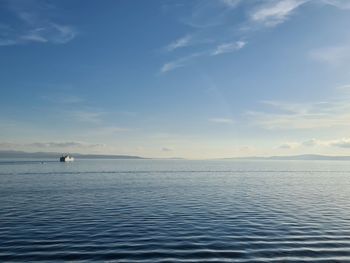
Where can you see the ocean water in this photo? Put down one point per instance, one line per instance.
(175, 211)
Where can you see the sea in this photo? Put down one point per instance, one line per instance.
(174, 211)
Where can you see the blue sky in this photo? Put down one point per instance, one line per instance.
(194, 79)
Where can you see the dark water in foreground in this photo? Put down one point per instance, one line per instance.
(172, 211)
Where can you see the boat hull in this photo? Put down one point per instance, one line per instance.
(66, 159)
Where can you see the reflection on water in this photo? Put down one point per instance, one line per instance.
(168, 211)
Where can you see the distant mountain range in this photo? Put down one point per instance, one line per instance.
(43, 155)
(296, 157)
(48, 155)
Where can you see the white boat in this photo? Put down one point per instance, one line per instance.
(66, 158)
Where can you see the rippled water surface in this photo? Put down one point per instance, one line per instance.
(175, 210)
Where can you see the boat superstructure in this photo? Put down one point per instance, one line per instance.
(66, 158)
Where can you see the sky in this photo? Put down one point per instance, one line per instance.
(163, 78)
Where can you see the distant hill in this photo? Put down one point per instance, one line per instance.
(48, 155)
(43, 155)
(297, 157)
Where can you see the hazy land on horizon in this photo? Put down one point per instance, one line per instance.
(21, 154)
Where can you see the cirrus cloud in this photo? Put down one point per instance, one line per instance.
(275, 12)
(34, 22)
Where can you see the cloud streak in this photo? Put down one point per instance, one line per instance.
(231, 3)
(289, 145)
(179, 43)
(333, 55)
(50, 145)
(276, 12)
(299, 116)
(228, 47)
(87, 116)
(342, 4)
(166, 149)
(184, 61)
(179, 63)
(212, 24)
(338, 143)
(33, 23)
(221, 120)
(209, 15)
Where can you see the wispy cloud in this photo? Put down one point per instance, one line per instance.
(228, 47)
(179, 43)
(184, 61)
(33, 23)
(311, 143)
(87, 116)
(342, 4)
(51, 145)
(342, 143)
(312, 115)
(166, 149)
(231, 3)
(180, 62)
(206, 14)
(62, 98)
(107, 130)
(222, 120)
(169, 66)
(344, 88)
(289, 145)
(64, 145)
(334, 55)
(338, 143)
(215, 24)
(275, 12)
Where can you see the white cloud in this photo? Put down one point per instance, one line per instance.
(64, 145)
(275, 12)
(231, 3)
(342, 143)
(169, 66)
(51, 33)
(107, 130)
(87, 116)
(63, 34)
(8, 145)
(228, 47)
(222, 120)
(50, 145)
(289, 145)
(338, 143)
(166, 149)
(179, 43)
(212, 24)
(342, 4)
(344, 88)
(312, 115)
(33, 23)
(184, 61)
(206, 14)
(311, 143)
(334, 55)
(178, 63)
(320, 144)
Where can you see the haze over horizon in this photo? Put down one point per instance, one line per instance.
(192, 79)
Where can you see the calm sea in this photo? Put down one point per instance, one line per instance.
(175, 211)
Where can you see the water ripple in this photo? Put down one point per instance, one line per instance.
(230, 214)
